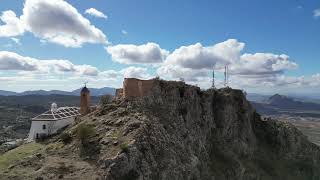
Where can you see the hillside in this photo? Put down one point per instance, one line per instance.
(178, 132)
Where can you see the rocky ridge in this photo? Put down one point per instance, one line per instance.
(179, 132)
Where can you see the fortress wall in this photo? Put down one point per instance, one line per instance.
(119, 93)
(133, 87)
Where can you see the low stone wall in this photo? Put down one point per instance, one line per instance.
(133, 87)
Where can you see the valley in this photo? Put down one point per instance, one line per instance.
(304, 114)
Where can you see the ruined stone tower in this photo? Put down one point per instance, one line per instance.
(84, 101)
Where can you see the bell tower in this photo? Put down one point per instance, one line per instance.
(84, 100)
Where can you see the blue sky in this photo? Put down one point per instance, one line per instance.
(289, 27)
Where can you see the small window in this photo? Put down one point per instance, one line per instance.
(44, 127)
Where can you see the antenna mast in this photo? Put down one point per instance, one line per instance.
(226, 78)
(213, 85)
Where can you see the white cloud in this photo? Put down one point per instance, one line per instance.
(16, 40)
(199, 57)
(54, 21)
(195, 62)
(59, 22)
(124, 32)
(176, 72)
(137, 54)
(13, 61)
(12, 24)
(262, 64)
(316, 13)
(87, 70)
(96, 13)
(110, 74)
(10, 61)
(135, 72)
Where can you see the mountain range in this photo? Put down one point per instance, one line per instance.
(280, 104)
(93, 92)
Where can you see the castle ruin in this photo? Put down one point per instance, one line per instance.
(133, 87)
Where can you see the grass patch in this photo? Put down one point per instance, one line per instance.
(17, 154)
(116, 134)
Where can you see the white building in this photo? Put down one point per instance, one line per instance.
(51, 121)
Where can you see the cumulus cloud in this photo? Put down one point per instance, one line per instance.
(199, 57)
(87, 70)
(316, 13)
(137, 54)
(96, 13)
(54, 21)
(135, 72)
(267, 81)
(110, 74)
(195, 62)
(15, 62)
(12, 24)
(59, 22)
(176, 72)
(262, 64)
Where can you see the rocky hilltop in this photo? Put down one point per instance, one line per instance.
(178, 132)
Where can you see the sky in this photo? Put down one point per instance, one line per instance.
(268, 46)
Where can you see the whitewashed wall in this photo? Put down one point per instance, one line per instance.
(51, 127)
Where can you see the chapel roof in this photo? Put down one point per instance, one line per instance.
(58, 114)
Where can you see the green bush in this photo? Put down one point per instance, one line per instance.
(66, 138)
(84, 131)
(124, 147)
(106, 99)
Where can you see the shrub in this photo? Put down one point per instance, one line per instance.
(84, 131)
(66, 138)
(124, 147)
(106, 99)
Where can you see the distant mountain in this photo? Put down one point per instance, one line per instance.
(281, 100)
(280, 104)
(43, 92)
(93, 92)
(257, 97)
(286, 102)
(7, 93)
(97, 91)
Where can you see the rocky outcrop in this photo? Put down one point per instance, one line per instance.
(213, 134)
(179, 132)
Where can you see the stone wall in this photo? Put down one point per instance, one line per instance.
(133, 87)
(119, 93)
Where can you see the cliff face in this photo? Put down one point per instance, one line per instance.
(213, 134)
(182, 133)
